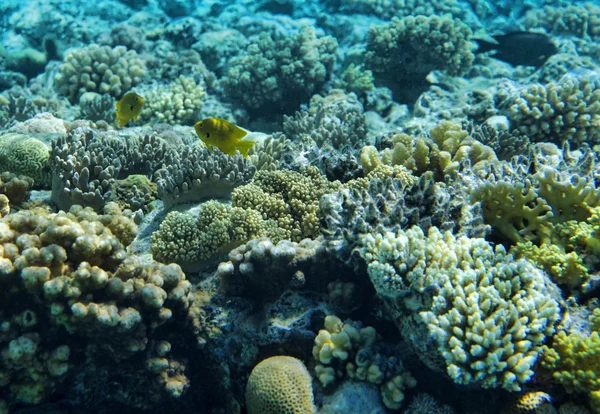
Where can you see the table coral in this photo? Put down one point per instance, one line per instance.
(100, 69)
(280, 72)
(488, 314)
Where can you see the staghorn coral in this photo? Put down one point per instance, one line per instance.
(487, 314)
(68, 276)
(336, 120)
(280, 385)
(100, 69)
(407, 49)
(24, 155)
(563, 111)
(289, 198)
(278, 73)
(178, 102)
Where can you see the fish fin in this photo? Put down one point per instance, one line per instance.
(123, 122)
(118, 105)
(238, 133)
(244, 147)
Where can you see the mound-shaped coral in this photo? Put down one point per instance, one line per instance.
(278, 72)
(280, 385)
(23, 155)
(100, 69)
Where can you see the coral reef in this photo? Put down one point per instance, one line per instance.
(488, 314)
(71, 271)
(278, 73)
(99, 69)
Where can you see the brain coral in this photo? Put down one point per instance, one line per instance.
(280, 385)
(100, 69)
(27, 156)
(281, 72)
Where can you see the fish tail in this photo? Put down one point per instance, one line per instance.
(485, 46)
(244, 146)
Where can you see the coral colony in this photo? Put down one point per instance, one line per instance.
(300, 206)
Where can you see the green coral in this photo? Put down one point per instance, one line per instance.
(192, 240)
(487, 314)
(289, 198)
(23, 155)
(279, 72)
(177, 103)
(574, 358)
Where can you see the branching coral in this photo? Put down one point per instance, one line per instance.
(442, 152)
(564, 111)
(99, 69)
(176, 103)
(336, 120)
(279, 73)
(409, 48)
(348, 349)
(192, 240)
(488, 314)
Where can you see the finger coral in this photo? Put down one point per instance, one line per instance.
(487, 314)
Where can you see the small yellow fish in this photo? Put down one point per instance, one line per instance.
(130, 106)
(223, 135)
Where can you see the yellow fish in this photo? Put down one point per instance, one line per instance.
(130, 106)
(223, 135)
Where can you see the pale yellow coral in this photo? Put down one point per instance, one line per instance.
(280, 385)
